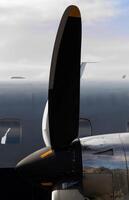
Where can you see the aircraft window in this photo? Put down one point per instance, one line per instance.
(10, 131)
(85, 128)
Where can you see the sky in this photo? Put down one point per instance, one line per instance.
(28, 29)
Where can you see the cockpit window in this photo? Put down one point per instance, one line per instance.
(85, 128)
(10, 131)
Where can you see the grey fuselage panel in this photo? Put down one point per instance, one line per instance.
(106, 105)
(22, 102)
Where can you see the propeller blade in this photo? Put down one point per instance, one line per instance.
(61, 161)
(64, 81)
(45, 126)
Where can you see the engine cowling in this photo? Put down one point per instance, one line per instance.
(105, 166)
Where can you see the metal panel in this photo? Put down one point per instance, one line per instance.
(104, 167)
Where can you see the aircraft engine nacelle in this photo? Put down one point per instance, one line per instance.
(105, 166)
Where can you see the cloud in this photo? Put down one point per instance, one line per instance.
(111, 56)
(114, 50)
(28, 29)
(45, 10)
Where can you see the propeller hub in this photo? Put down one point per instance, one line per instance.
(47, 167)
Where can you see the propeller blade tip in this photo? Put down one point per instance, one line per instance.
(74, 11)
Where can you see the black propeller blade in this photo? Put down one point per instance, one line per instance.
(61, 161)
(64, 81)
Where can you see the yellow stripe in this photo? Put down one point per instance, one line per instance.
(47, 153)
(74, 12)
